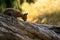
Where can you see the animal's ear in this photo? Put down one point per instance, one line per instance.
(25, 14)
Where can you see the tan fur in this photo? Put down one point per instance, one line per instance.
(15, 13)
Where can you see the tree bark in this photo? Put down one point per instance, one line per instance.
(14, 29)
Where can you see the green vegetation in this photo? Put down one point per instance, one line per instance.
(12, 4)
(9, 4)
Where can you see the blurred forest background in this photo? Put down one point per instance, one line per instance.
(39, 11)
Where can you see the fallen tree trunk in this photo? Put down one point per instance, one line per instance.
(14, 29)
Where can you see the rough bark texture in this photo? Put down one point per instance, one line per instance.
(14, 29)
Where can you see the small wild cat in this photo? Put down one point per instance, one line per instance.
(15, 13)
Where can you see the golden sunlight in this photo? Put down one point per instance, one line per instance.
(40, 7)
